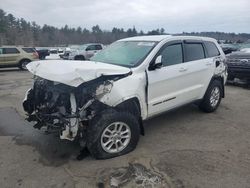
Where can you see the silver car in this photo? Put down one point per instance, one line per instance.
(85, 52)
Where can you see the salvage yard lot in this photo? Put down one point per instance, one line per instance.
(182, 148)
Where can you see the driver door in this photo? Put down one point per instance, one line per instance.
(10, 56)
(167, 85)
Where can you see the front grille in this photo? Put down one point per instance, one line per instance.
(242, 62)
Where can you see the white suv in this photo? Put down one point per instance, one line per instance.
(104, 102)
(85, 52)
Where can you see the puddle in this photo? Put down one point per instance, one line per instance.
(53, 150)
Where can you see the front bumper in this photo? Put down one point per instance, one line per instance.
(239, 72)
(49, 107)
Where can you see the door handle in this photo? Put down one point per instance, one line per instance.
(208, 63)
(183, 69)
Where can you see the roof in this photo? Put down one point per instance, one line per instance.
(147, 38)
(91, 44)
(158, 38)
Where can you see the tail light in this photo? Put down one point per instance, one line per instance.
(35, 54)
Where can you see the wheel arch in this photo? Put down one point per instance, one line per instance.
(132, 105)
(23, 59)
(221, 80)
(20, 62)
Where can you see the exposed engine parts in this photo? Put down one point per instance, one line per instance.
(59, 107)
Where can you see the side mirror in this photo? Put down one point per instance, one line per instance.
(158, 62)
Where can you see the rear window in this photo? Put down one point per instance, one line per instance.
(11, 51)
(194, 51)
(212, 49)
(29, 50)
(98, 47)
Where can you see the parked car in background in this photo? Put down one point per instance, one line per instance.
(65, 54)
(247, 50)
(85, 52)
(239, 65)
(103, 102)
(228, 48)
(53, 54)
(17, 56)
(53, 51)
(60, 51)
(43, 53)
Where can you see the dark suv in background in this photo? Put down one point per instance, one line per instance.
(239, 66)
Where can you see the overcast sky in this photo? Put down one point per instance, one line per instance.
(173, 15)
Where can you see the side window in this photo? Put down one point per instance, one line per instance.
(194, 51)
(98, 47)
(212, 49)
(29, 50)
(11, 51)
(172, 55)
(1, 51)
(91, 47)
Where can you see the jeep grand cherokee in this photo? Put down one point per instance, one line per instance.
(104, 101)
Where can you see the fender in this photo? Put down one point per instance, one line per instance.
(132, 105)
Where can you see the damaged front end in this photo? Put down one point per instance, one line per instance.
(64, 109)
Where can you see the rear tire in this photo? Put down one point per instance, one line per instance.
(112, 134)
(212, 97)
(82, 58)
(23, 63)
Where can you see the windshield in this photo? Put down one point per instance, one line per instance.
(124, 53)
(82, 47)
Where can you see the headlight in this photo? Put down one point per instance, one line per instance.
(104, 88)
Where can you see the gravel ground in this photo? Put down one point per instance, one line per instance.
(182, 148)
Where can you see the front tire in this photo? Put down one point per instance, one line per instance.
(112, 134)
(212, 97)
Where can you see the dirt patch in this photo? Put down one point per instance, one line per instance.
(133, 175)
(203, 167)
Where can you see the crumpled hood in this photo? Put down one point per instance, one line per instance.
(73, 73)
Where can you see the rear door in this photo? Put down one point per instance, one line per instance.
(200, 68)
